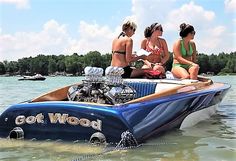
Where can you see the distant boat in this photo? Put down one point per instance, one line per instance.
(33, 78)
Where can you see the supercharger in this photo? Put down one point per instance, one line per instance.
(105, 90)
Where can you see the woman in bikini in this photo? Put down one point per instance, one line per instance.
(122, 51)
(157, 46)
(185, 54)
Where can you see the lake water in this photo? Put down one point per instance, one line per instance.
(210, 140)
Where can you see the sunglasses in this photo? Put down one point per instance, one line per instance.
(132, 28)
(159, 28)
(193, 32)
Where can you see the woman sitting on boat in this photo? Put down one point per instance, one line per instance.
(184, 58)
(157, 47)
(122, 51)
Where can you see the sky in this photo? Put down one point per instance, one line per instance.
(32, 27)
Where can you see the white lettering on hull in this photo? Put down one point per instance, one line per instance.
(59, 118)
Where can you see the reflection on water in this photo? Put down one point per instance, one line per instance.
(46, 150)
(212, 140)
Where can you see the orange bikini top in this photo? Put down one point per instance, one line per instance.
(156, 50)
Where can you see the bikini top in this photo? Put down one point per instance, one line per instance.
(184, 51)
(156, 49)
(117, 51)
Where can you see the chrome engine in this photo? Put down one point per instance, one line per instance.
(96, 89)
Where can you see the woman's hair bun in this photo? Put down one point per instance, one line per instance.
(185, 29)
(147, 32)
(182, 26)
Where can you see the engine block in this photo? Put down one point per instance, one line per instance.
(110, 90)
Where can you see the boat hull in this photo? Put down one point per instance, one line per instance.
(71, 121)
(62, 120)
(37, 77)
(32, 79)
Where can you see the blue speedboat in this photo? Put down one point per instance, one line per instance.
(112, 109)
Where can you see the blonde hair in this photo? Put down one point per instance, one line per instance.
(128, 23)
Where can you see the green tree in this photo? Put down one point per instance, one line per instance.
(203, 61)
(2, 68)
(106, 60)
(24, 65)
(61, 66)
(39, 65)
(71, 64)
(214, 64)
(222, 60)
(93, 58)
(11, 67)
(80, 65)
(75, 64)
(52, 66)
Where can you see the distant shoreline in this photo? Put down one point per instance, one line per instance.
(71, 75)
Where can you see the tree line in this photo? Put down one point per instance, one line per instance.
(223, 63)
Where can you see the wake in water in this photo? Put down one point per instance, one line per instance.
(127, 142)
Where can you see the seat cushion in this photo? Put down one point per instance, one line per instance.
(142, 88)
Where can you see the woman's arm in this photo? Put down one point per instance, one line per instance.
(194, 57)
(166, 52)
(143, 46)
(129, 55)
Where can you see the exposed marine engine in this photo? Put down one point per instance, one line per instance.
(96, 89)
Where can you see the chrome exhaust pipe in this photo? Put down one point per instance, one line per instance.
(16, 133)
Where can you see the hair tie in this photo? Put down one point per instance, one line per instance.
(121, 34)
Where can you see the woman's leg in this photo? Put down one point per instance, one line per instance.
(137, 73)
(131, 72)
(193, 70)
(146, 67)
(180, 72)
